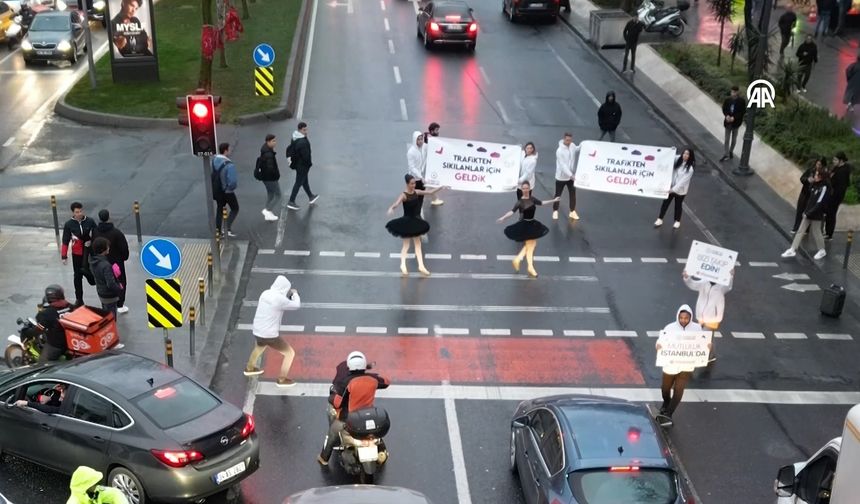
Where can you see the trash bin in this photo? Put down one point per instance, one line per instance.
(606, 27)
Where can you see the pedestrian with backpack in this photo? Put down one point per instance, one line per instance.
(224, 183)
(267, 172)
(299, 154)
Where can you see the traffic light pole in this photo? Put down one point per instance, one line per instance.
(210, 214)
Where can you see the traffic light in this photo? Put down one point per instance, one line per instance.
(200, 116)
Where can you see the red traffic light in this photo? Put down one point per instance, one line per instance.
(200, 110)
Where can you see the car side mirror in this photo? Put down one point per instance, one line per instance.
(520, 422)
(784, 484)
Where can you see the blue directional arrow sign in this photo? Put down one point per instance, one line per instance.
(264, 55)
(160, 258)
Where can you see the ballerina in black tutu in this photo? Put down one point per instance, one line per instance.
(527, 229)
(411, 226)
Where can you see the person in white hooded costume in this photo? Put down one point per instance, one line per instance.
(271, 306)
(416, 161)
(675, 378)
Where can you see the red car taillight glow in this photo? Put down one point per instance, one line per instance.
(250, 426)
(473, 28)
(434, 27)
(623, 468)
(178, 458)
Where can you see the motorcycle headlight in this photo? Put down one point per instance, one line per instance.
(26, 45)
(99, 5)
(64, 46)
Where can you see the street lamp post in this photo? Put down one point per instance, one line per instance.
(758, 67)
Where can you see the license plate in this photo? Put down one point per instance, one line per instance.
(228, 473)
(368, 453)
(456, 28)
(44, 53)
(538, 5)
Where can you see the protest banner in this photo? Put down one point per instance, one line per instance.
(470, 165)
(711, 263)
(636, 170)
(685, 349)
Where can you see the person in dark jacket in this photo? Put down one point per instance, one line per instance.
(807, 56)
(852, 85)
(734, 108)
(118, 253)
(786, 23)
(223, 165)
(270, 175)
(816, 208)
(609, 116)
(806, 180)
(825, 9)
(840, 179)
(78, 231)
(49, 401)
(632, 30)
(107, 286)
(299, 153)
(54, 305)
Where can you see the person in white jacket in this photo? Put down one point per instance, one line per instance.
(681, 177)
(416, 157)
(565, 170)
(267, 327)
(528, 164)
(675, 377)
(710, 304)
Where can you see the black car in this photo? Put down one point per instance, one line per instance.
(358, 494)
(55, 36)
(519, 9)
(156, 434)
(448, 22)
(580, 449)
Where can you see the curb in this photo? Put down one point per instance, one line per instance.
(63, 109)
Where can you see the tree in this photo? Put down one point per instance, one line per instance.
(787, 79)
(722, 10)
(245, 13)
(204, 81)
(736, 45)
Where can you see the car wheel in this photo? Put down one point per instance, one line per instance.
(513, 452)
(127, 483)
(73, 59)
(511, 16)
(427, 42)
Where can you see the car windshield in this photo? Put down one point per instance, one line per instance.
(623, 486)
(176, 403)
(51, 23)
(452, 10)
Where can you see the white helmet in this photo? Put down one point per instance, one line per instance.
(356, 361)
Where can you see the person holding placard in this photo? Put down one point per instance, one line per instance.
(528, 164)
(681, 177)
(528, 229)
(410, 227)
(675, 377)
(711, 302)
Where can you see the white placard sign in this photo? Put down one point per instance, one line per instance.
(637, 170)
(471, 165)
(683, 349)
(711, 263)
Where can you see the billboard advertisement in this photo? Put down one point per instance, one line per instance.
(131, 32)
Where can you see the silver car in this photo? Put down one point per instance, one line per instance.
(358, 494)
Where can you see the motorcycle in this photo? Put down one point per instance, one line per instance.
(362, 448)
(25, 347)
(661, 19)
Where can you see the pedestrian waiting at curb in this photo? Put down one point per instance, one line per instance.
(107, 286)
(565, 171)
(711, 303)
(78, 232)
(840, 180)
(266, 328)
(682, 174)
(609, 117)
(117, 255)
(267, 172)
(786, 24)
(807, 57)
(528, 165)
(813, 216)
(852, 85)
(734, 108)
(226, 181)
(806, 180)
(632, 30)
(433, 130)
(675, 377)
(299, 154)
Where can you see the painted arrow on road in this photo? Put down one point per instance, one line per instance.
(163, 260)
(801, 287)
(792, 276)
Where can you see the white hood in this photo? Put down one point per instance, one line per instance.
(416, 157)
(271, 307)
(677, 327)
(298, 134)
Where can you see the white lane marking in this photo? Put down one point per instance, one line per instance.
(396, 255)
(537, 332)
(390, 46)
(371, 330)
(448, 308)
(661, 260)
(397, 74)
(251, 395)
(450, 331)
(502, 112)
(828, 336)
(461, 477)
(618, 259)
(411, 330)
(415, 5)
(473, 257)
(718, 334)
(581, 259)
(330, 329)
(519, 393)
(572, 74)
(681, 260)
(495, 332)
(297, 252)
(389, 274)
(306, 65)
(403, 114)
(547, 258)
(374, 255)
(747, 335)
(282, 224)
(790, 335)
(332, 253)
(349, 8)
(437, 256)
(653, 334)
(504, 257)
(621, 334)
(484, 74)
(387, 26)
(578, 333)
(755, 264)
(9, 142)
(266, 251)
(382, 4)
(283, 328)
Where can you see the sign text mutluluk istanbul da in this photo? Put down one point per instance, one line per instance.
(711, 263)
(685, 349)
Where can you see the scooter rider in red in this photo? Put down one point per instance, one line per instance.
(353, 388)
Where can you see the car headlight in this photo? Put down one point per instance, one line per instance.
(64, 46)
(99, 5)
(26, 45)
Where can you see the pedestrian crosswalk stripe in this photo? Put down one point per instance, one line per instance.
(412, 330)
(790, 335)
(163, 303)
(264, 81)
(297, 252)
(763, 264)
(582, 259)
(826, 336)
(621, 334)
(495, 332)
(618, 259)
(468, 257)
(330, 329)
(657, 260)
(332, 253)
(748, 335)
(578, 333)
(371, 330)
(375, 255)
(537, 332)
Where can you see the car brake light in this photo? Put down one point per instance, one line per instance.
(473, 27)
(623, 468)
(178, 458)
(249, 427)
(452, 18)
(164, 393)
(434, 27)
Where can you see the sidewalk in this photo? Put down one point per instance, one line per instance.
(30, 260)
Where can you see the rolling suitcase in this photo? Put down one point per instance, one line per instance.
(833, 300)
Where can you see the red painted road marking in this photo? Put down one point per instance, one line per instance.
(521, 361)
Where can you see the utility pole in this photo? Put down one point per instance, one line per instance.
(210, 214)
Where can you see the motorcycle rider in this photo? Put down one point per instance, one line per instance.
(86, 489)
(353, 388)
(54, 305)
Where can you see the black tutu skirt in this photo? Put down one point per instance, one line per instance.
(526, 230)
(407, 227)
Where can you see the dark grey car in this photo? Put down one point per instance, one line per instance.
(155, 433)
(580, 449)
(55, 36)
(358, 494)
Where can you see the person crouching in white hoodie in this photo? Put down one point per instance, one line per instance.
(565, 170)
(675, 377)
(681, 177)
(271, 306)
